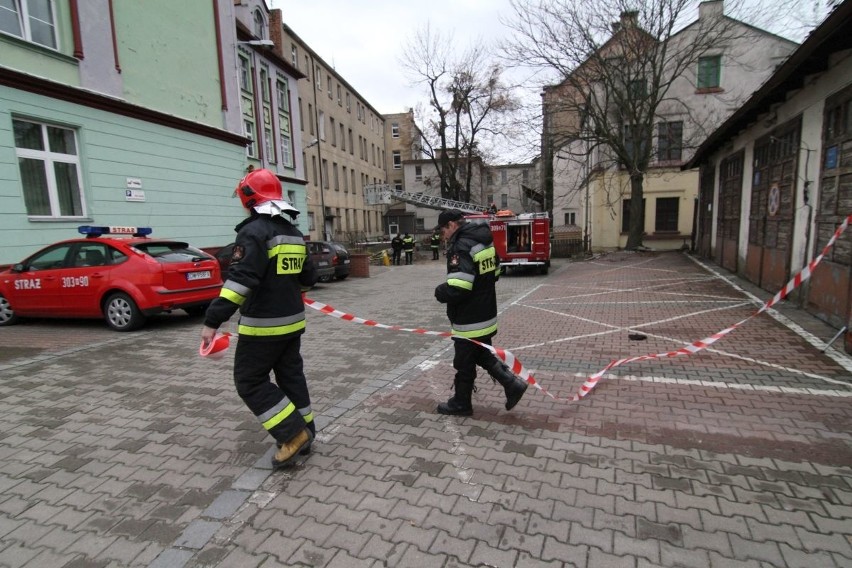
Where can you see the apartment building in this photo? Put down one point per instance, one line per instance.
(343, 146)
(592, 188)
(513, 187)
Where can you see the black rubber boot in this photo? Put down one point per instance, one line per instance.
(459, 404)
(514, 386)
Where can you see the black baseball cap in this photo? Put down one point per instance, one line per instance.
(447, 216)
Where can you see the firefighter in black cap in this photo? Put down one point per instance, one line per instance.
(472, 271)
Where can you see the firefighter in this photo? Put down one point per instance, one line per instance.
(396, 245)
(270, 269)
(408, 248)
(435, 244)
(472, 271)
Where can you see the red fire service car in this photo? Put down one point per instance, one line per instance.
(520, 240)
(123, 279)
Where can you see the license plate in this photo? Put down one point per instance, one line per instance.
(346, 261)
(323, 263)
(203, 275)
(521, 260)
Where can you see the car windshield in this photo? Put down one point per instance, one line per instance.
(171, 251)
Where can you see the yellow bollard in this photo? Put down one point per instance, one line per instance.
(385, 258)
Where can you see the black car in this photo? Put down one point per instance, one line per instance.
(330, 255)
(321, 256)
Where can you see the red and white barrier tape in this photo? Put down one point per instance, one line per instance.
(517, 367)
(506, 356)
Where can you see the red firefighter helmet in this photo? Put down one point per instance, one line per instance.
(260, 190)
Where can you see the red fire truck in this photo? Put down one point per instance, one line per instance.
(520, 240)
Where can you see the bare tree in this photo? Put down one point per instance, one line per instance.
(617, 65)
(467, 103)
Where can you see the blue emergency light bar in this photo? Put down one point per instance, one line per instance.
(93, 231)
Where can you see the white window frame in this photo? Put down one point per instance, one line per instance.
(21, 11)
(50, 158)
(248, 131)
(396, 156)
(394, 130)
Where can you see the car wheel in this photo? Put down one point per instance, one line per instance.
(121, 313)
(7, 314)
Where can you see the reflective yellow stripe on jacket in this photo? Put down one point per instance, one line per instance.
(474, 330)
(234, 292)
(265, 327)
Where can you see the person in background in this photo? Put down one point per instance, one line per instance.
(270, 269)
(408, 248)
(396, 246)
(469, 292)
(435, 245)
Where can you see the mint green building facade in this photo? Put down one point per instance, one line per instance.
(129, 113)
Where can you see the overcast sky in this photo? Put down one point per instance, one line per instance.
(362, 39)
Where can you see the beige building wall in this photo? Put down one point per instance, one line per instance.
(343, 144)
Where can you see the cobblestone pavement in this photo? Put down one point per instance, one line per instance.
(130, 450)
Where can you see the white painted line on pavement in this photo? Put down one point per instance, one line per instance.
(727, 385)
(839, 357)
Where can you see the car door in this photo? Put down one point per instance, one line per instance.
(36, 289)
(87, 275)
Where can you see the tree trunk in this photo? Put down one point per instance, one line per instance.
(637, 212)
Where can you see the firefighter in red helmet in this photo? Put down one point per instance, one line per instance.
(270, 268)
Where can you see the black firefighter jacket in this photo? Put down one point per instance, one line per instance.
(472, 271)
(269, 270)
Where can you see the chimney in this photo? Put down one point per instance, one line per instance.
(629, 18)
(711, 9)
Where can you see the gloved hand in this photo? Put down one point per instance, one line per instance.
(441, 293)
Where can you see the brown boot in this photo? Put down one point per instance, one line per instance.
(290, 449)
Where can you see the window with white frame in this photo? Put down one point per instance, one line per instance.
(32, 20)
(571, 218)
(321, 125)
(397, 160)
(49, 165)
(248, 130)
(394, 130)
(286, 141)
(269, 145)
(264, 84)
(294, 55)
(245, 74)
(418, 173)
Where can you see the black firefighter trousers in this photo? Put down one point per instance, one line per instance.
(468, 355)
(279, 406)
